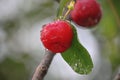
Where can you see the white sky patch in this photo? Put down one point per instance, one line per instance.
(10, 9)
(3, 45)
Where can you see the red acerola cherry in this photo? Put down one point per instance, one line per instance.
(86, 13)
(57, 36)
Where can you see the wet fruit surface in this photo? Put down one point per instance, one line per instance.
(57, 36)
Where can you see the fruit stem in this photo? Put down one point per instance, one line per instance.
(70, 7)
(68, 11)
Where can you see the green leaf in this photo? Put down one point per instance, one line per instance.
(61, 7)
(78, 57)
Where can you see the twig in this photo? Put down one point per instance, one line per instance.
(117, 77)
(42, 68)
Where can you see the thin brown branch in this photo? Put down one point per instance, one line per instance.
(42, 68)
(117, 77)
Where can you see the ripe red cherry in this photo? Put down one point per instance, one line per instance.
(86, 13)
(57, 36)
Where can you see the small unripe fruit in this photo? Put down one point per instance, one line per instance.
(57, 36)
(86, 13)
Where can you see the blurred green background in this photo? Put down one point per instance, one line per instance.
(21, 49)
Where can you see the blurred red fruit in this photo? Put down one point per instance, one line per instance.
(86, 13)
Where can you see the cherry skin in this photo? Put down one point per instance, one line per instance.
(57, 36)
(86, 13)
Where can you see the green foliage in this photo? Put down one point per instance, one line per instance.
(78, 57)
(109, 31)
(108, 25)
(116, 4)
(11, 69)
